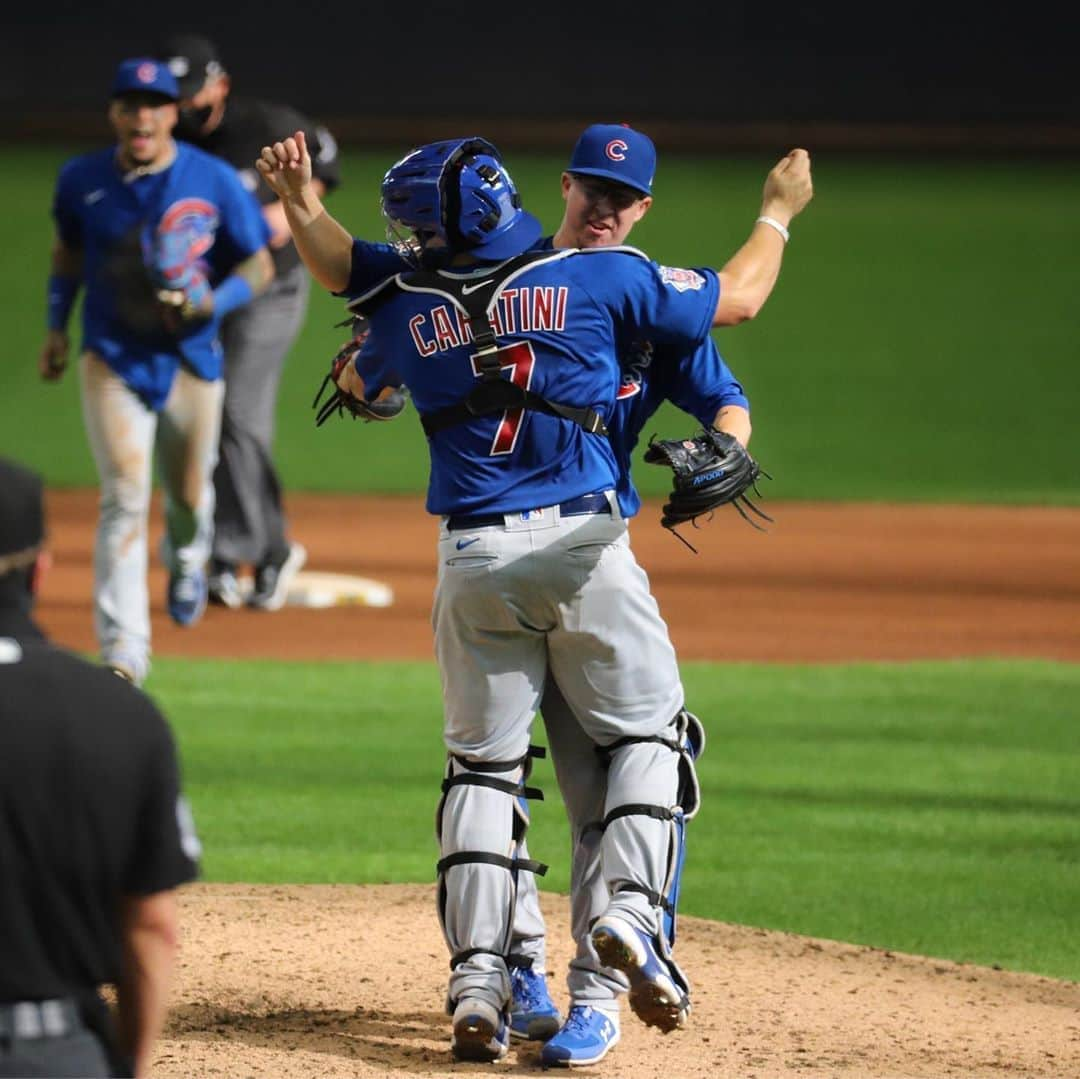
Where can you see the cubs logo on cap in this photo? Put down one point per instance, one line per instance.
(142, 75)
(616, 152)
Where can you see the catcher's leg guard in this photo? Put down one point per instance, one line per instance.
(691, 739)
(644, 849)
(480, 823)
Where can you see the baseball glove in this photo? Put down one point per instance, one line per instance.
(711, 469)
(177, 276)
(388, 405)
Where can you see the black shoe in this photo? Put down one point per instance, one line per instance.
(272, 579)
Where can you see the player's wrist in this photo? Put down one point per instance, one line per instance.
(60, 299)
(777, 209)
(302, 207)
(233, 292)
(775, 224)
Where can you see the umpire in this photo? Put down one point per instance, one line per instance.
(94, 837)
(249, 525)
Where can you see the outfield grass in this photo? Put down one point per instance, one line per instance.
(928, 808)
(921, 344)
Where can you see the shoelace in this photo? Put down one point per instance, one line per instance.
(578, 1020)
(528, 991)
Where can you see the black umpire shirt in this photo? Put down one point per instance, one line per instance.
(90, 811)
(245, 129)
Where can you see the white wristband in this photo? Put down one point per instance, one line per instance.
(773, 223)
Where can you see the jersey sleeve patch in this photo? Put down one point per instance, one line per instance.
(682, 280)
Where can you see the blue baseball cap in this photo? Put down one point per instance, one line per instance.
(616, 152)
(145, 76)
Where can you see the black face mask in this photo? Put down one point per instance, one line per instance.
(190, 124)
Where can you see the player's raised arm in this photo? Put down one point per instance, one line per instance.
(748, 277)
(323, 244)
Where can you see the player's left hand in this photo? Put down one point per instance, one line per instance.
(348, 393)
(711, 469)
(53, 358)
(182, 307)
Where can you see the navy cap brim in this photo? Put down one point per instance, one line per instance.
(522, 235)
(165, 99)
(610, 174)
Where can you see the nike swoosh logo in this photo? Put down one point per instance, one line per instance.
(463, 543)
(467, 290)
(94, 196)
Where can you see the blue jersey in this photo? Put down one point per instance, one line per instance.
(558, 322)
(371, 263)
(696, 380)
(193, 216)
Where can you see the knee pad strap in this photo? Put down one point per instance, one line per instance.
(465, 857)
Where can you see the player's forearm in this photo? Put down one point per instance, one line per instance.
(324, 245)
(150, 944)
(65, 279)
(749, 276)
(734, 420)
(257, 270)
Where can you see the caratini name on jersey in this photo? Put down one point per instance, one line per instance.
(518, 310)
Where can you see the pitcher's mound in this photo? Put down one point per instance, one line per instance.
(349, 982)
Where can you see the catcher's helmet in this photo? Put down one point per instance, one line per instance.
(459, 192)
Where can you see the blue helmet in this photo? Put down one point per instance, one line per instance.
(459, 191)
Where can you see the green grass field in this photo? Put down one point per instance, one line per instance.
(921, 344)
(929, 807)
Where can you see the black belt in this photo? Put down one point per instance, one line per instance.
(596, 502)
(26, 1020)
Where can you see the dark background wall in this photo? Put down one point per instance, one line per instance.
(741, 72)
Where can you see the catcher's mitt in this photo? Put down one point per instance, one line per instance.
(386, 406)
(711, 469)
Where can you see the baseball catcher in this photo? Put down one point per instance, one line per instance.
(711, 469)
(387, 406)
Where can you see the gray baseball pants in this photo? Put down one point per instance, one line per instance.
(554, 595)
(249, 522)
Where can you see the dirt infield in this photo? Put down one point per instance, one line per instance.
(299, 982)
(829, 583)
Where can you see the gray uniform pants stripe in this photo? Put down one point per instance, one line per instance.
(249, 524)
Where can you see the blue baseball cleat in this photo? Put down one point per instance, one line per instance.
(481, 1031)
(655, 997)
(187, 597)
(533, 1015)
(586, 1038)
